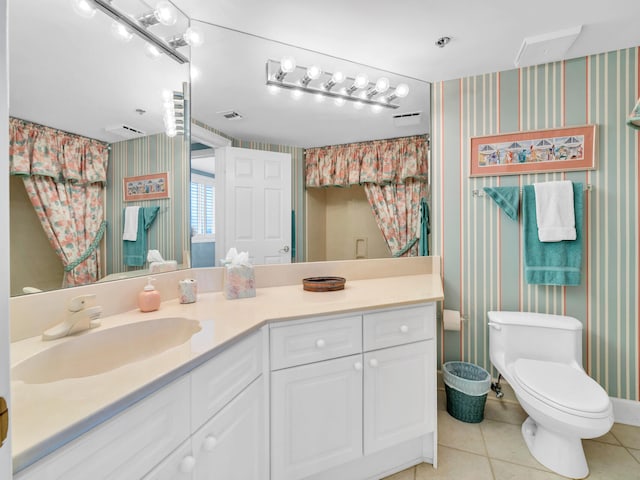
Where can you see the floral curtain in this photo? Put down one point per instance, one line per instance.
(64, 176)
(394, 174)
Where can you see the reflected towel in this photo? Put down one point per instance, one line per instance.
(135, 253)
(554, 211)
(507, 198)
(130, 231)
(551, 263)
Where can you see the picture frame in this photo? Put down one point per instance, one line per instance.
(537, 151)
(146, 187)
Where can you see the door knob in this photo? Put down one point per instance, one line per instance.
(285, 249)
(187, 464)
(210, 443)
(373, 362)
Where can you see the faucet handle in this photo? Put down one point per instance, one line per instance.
(80, 302)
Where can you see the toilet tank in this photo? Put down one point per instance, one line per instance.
(539, 336)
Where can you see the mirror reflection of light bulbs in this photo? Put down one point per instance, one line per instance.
(273, 90)
(320, 97)
(358, 105)
(152, 51)
(121, 32)
(361, 81)
(193, 37)
(376, 108)
(167, 95)
(288, 64)
(296, 94)
(339, 101)
(382, 85)
(166, 13)
(402, 90)
(84, 8)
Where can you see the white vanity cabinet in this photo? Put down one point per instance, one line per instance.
(377, 392)
(204, 425)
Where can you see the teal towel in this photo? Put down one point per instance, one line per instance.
(507, 198)
(135, 253)
(551, 263)
(423, 244)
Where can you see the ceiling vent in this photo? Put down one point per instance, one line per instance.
(407, 119)
(125, 131)
(231, 115)
(549, 47)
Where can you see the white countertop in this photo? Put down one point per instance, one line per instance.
(48, 415)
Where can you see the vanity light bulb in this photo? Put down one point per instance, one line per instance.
(83, 8)
(152, 51)
(313, 72)
(121, 32)
(402, 90)
(361, 81)
(288, 64)
(167, 95)
(166, 13)
(382, 85)
(338, 77)
(171, 132)
(193, 37)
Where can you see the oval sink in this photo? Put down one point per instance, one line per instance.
(103, 350)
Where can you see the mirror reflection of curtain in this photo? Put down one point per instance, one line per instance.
(64, 176)
(394, 173)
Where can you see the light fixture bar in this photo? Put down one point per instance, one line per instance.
(145, 34)
(273, 67)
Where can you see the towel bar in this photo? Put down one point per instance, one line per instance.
(476, 192)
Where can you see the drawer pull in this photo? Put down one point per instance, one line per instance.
(320, 343)
(373, 362)
(187, 464)
(357, 366)
(404, 329)
(210, 443)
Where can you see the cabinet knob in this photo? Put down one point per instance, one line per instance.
(404, 329)
(373, 362)
(320, 343)
(187, 464)
(210, 443)
(357, 365)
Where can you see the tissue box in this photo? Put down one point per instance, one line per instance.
(239, 282)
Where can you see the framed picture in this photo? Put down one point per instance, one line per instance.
(553, 150)
(146, 187)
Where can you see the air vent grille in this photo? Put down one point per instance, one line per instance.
(231, 115)
(125, 131)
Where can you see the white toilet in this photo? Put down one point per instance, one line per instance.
(541, 357)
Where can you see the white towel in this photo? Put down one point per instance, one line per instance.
(130, 231)
(554, 211)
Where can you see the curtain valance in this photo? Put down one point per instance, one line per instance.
(380, 162)
(38, 150)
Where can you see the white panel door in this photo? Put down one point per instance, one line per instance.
(253, 204)
(233, 444)
(316, 417)
(398, 400)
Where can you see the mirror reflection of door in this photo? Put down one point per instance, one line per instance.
(202, 192)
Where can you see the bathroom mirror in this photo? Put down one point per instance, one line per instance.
(78, 78)
(70, 73)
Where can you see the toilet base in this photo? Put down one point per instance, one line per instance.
(561, 454)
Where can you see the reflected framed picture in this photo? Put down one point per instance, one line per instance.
(552, 150)
(146, 187)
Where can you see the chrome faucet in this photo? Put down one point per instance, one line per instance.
(82, 315)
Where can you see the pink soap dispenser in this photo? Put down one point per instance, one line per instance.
(149, 298)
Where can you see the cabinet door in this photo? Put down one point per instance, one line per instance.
(177, 466)
(399, 400)
(233, 444)
(316, 417)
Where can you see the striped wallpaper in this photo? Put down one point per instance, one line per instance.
(482, 248)
(170, 232)
(297, 180)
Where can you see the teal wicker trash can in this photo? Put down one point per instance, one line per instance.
(466, 386)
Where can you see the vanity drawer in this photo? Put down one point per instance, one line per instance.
(219, 380)
(398, 326)
(315, 340)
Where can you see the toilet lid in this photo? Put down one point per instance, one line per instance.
(568, 387)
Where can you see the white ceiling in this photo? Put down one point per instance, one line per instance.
(70, 73)
(400, 36)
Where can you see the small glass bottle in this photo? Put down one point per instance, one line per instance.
(149, 298)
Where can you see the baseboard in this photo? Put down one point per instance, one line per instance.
(626, 411)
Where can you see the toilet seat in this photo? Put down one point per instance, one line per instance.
(564, 387)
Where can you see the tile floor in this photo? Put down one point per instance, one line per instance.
(494, 449)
